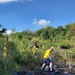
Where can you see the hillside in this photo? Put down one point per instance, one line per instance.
(16, 49)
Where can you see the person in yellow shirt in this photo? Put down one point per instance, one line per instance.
(47, 60)
(35, 48)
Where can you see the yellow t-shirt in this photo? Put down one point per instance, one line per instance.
(47, 54)
(34, 49)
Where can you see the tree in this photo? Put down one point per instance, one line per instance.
(20, 36)
(46, 35)
(13, 30)
(0, 29)
(72, 30)
(27, 33)
(3, 30)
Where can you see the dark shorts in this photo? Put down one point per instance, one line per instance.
(47, 61)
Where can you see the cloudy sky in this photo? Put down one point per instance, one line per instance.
(36, 14)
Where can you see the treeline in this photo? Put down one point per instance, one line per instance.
(66, 32)
(49, 33)
(61, 32)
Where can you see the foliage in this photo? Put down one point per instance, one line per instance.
(65, 45)
(19, 47)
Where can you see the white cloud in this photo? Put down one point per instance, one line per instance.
(6, 1)
(8, 32)
(42, 22)
(35, 21)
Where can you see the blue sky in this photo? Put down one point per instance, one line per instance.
(36, 14)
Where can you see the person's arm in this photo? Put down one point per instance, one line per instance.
(50, 58)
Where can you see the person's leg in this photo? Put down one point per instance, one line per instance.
(43, 66)
(49, 62)
(50, 66)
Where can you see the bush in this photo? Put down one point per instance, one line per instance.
(65, 46)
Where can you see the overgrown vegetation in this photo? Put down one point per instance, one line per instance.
(16, 49)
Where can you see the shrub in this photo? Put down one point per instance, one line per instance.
(65, 45)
